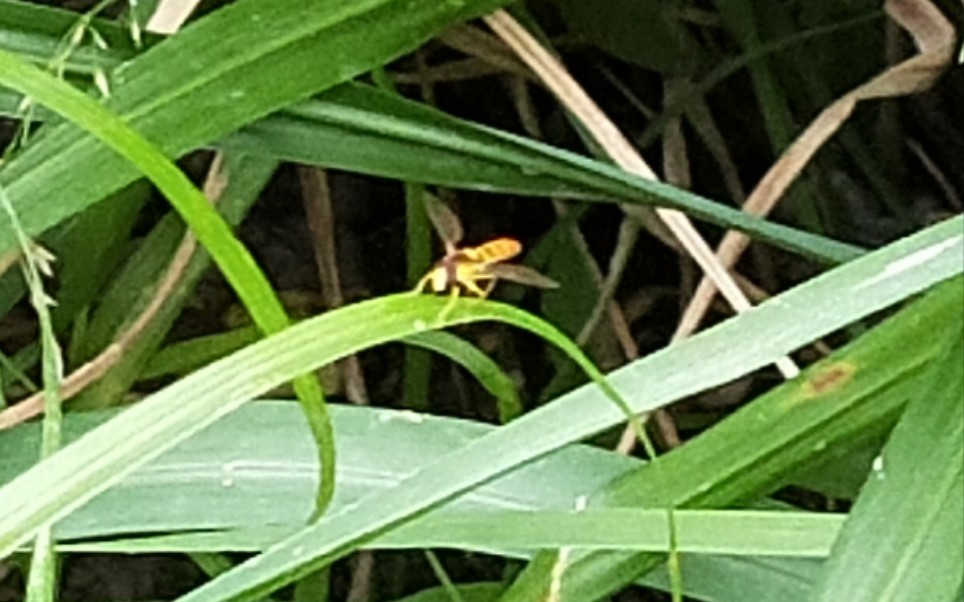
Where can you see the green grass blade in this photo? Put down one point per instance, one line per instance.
(201, 84)
(362, 129)
(42, 580)
(88, 466)
(853, 395)
(233, 259)
(35, 32)
(359, 128)
(880, 279)
(903, 538)
(186, 356)
(183, 357)
(95, 244)
(135, 286)
(237, 265)
(732, 532)
(479, 365)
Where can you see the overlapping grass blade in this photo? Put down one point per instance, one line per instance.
(853, 396)
(193, 88)
(903, 538)
(70, 478)
(359, 128)
(773, 329)
(237, 265)
(351, 127)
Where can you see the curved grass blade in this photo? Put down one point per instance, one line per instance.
(233, 259)
(479, 365)
(186, 356)
(773, 329)
(201, 84)
(85, 468)
(358, 128)
(361, 129)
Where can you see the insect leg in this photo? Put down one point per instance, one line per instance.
(474, 288)
(453, 299)
(488, 288)
(422, 283)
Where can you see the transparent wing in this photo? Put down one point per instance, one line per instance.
(521, 274)
(446, 223)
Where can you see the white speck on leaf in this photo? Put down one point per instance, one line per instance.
(410, 416)
(878, 467)
(404, 415)
(227, 475)
(905, 264)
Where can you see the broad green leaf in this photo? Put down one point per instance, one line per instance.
(233, 472)
(771, 330)
(240, 496)
(224, 489)
(903, 538)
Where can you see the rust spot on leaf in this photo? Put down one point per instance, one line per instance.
(828, 378)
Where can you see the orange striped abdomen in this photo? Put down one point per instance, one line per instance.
(494, 251)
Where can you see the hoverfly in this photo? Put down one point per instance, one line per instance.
(470, 267)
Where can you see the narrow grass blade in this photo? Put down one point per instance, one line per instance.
(359, 128)
(77, 473)
(351, 127)
(201, 84)
(875, 281)
(855, 395)
(903, 538)
(237, 265)
(479, 365)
